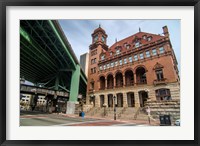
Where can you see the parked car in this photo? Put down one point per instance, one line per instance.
(177, 122)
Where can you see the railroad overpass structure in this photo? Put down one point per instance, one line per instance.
(48, 61)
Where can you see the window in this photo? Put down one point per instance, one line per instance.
(110, 53)
(100, 68)
(161, 49)
(120, 62)
(137, 44)
(104, 67)
(127, 46)
(96, 38)
(135, 57)
(103, 39)
(117, 52)
(163, 94)
(154, 52)
(130, 59)
(159, 74)
(149, 38)
(92, 85)
(93, 61)
(108, 65)
(93, 70)
(116, 63)
(144, 37)
(141, 56)
(93, 52)
(125, 61)
(112, 64)
(147, 54)
(102, 57)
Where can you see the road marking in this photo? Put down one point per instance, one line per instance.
(33, 117)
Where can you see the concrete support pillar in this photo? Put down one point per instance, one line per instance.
(125, 103)
(137, 99)
(74, 89)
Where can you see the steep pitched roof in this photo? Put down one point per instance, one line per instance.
(131, 40)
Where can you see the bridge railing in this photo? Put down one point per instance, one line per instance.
(40, 90)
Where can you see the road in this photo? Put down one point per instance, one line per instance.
(28, 118)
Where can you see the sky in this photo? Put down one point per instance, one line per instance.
(78, 32)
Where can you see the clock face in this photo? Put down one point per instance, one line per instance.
(102, 38)
(96, 38)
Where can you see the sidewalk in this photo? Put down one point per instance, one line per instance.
(143, 122)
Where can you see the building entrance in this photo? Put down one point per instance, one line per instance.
(143, 97)
(101, 100)
(110, 100)
(120, 100)
(131, 99)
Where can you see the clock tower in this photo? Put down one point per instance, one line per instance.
(98, 46)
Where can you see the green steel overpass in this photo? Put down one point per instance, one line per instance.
(47, 58)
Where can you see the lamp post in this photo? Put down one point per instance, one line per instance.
(114, 108)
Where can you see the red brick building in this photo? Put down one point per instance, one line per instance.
(135, 69)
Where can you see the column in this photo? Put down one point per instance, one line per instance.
(152, 95)
(105, 83)
(106, 99)
(114, 82)
(74, 90)
(135, 79)
(137, 99)
(97, 100)
(99, 84)
(123, 80)
(87, 100)
(125, 103)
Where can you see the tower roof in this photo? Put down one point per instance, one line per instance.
(99, 29)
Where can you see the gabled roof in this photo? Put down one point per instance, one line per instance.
(131, 40)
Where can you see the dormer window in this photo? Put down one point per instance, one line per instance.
(149, 38)
(127, 46)
(144, 37)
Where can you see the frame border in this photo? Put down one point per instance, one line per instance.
(5, 3)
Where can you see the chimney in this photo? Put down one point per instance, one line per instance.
(165, 31)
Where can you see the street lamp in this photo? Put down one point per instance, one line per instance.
(114, 108)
